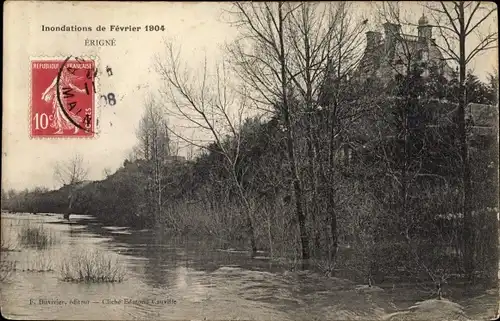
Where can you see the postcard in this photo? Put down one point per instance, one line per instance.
(250, 161)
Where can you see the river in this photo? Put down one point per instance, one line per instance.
(181, 278)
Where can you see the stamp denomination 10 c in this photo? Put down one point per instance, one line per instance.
(62, 98)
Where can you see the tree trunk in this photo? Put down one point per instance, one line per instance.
(312, 146)
(248, 211)
(314, 209)
(464, 151)
(334, 245)
(328, 177)
(299, 197)
(405, 168)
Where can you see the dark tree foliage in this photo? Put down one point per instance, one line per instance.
(415, 166)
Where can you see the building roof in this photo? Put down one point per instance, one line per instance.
(389, 55)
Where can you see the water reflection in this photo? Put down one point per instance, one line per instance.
(188, 278)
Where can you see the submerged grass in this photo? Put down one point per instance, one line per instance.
(92, 266)
(9, 242)
(36, 236)
(38, 262)
(7, 267)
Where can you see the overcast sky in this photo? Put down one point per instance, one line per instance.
(26, 162)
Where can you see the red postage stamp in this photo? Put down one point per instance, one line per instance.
(62, 98)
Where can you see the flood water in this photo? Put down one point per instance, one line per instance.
(170, 278)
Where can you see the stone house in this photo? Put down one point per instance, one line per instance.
(389, 55)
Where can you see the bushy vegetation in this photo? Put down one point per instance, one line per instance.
(93, 266)
(36, 235)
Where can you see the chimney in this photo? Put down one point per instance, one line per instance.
(373, 38)
(392, 32)
(424, 29)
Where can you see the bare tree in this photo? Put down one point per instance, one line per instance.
(152, 134)
(262, 57)
(457, 22)
(324, 57)
(286, 54)
(208, 104)
(154, 148)
(71, 171)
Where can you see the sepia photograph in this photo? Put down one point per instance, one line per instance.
(246, 160)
